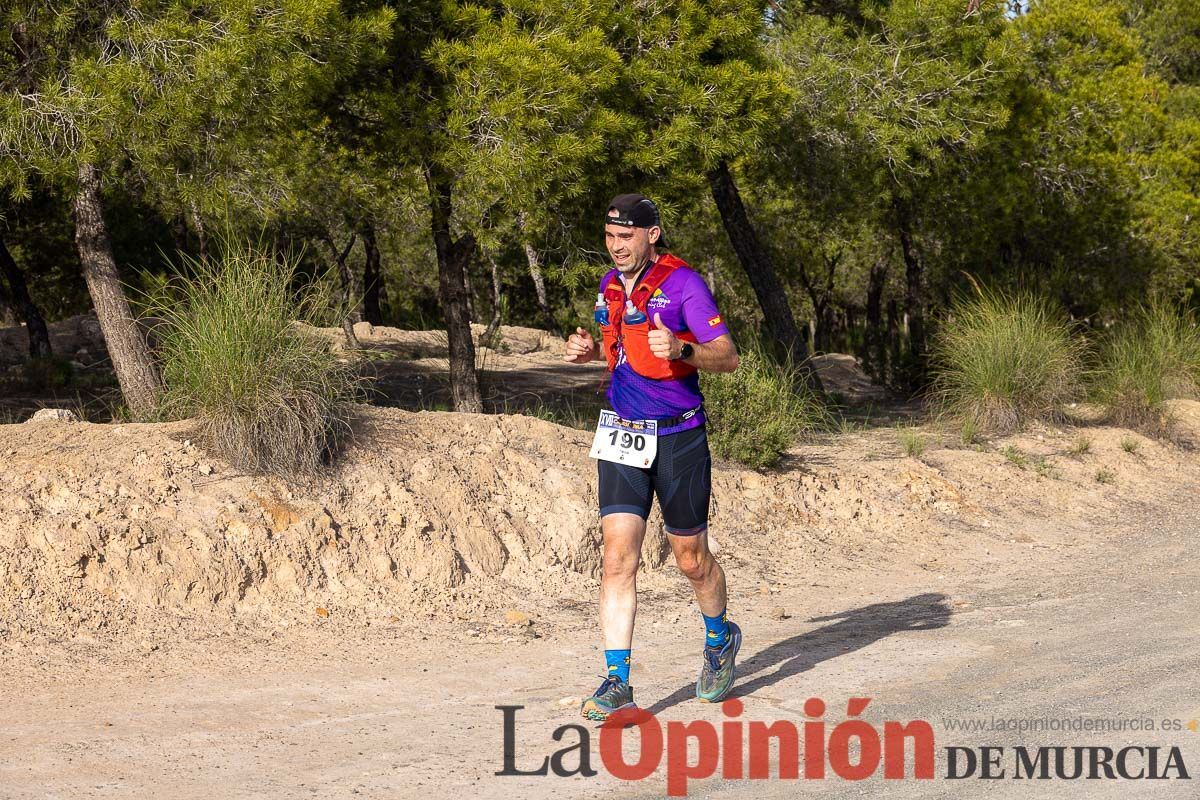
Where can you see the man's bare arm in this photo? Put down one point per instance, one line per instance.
(719, 355)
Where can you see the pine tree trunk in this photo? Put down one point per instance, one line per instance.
(179, 234)
(821, 297)
(539, 282)
(847, 322)
(131, 358)
(494, 324)
(372, 276)
(826, 324)
(893, 332)
(539, 288)
(8, 312)
(35, 323)
(874, 336)
(201, 233)
(452, 256)
(914, 292)
(466, 279)
(777, 313)
(346, 297)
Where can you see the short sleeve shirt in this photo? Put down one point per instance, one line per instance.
(684, 303)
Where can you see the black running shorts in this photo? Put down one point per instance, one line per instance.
(681, 476)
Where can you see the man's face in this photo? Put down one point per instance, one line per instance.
(630, 248)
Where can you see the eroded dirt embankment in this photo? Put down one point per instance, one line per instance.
(113, 527)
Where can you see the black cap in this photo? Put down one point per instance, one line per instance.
(635, 211)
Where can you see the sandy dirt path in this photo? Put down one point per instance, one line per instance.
(1105, 628)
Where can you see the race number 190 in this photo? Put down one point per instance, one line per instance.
(625, 441)
(636, 441)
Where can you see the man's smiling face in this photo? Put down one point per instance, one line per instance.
(630, 248)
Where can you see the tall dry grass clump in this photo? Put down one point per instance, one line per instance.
(1151, 358)
(1001, 360)
(268, 396)
(756, 412)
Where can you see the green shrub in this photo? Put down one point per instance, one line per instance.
(268, 394)
(1152, 358)
(756, 412)
(1003, 360)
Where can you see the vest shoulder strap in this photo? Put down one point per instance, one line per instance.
(655, 277)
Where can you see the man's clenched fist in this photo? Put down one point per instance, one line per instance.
(581, 348)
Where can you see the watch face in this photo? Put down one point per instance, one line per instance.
(686, 351)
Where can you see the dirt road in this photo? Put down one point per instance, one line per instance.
(1103, 628)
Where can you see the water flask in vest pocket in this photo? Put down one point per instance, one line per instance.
(632, 315)
(601, 312)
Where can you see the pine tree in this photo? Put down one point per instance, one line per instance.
(95, 90)
(698, 79)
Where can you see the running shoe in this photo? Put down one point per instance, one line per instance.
(612, 696)
(716, 676)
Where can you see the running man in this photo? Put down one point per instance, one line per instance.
(660, 325)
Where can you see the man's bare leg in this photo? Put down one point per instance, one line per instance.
(723, 638)
(623, 534)
(699, 566)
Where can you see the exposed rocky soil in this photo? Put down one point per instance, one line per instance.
(129, 526)
(115, 527)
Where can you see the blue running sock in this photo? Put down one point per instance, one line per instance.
(716, 630)
(618, 664)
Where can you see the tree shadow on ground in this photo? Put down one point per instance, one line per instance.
(848, 631)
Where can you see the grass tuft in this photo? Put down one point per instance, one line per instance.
(1003, 360)
(1129, 444)
(968, 432)
(1016, 457)
(1081, 445)
(1105, 475)
(912, 441)
(756, 412)
(269, 395)
(1152, 358)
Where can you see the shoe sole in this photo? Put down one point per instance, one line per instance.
(737, 645)
(593, 712)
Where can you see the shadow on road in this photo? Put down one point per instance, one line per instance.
(848, 631)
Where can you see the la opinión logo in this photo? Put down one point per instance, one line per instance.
(737, 749)
(852, 750)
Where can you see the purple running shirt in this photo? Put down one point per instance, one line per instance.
(685, 304)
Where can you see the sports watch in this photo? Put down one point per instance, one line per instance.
(686, 351)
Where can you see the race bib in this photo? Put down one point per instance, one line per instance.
(625, 441)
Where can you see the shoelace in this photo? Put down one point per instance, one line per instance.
(713, 657)
(604, 686)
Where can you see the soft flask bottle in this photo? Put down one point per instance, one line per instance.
(632, 315)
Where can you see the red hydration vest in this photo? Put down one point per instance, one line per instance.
(634, 338)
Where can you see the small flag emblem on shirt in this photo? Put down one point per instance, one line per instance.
(715, 321)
